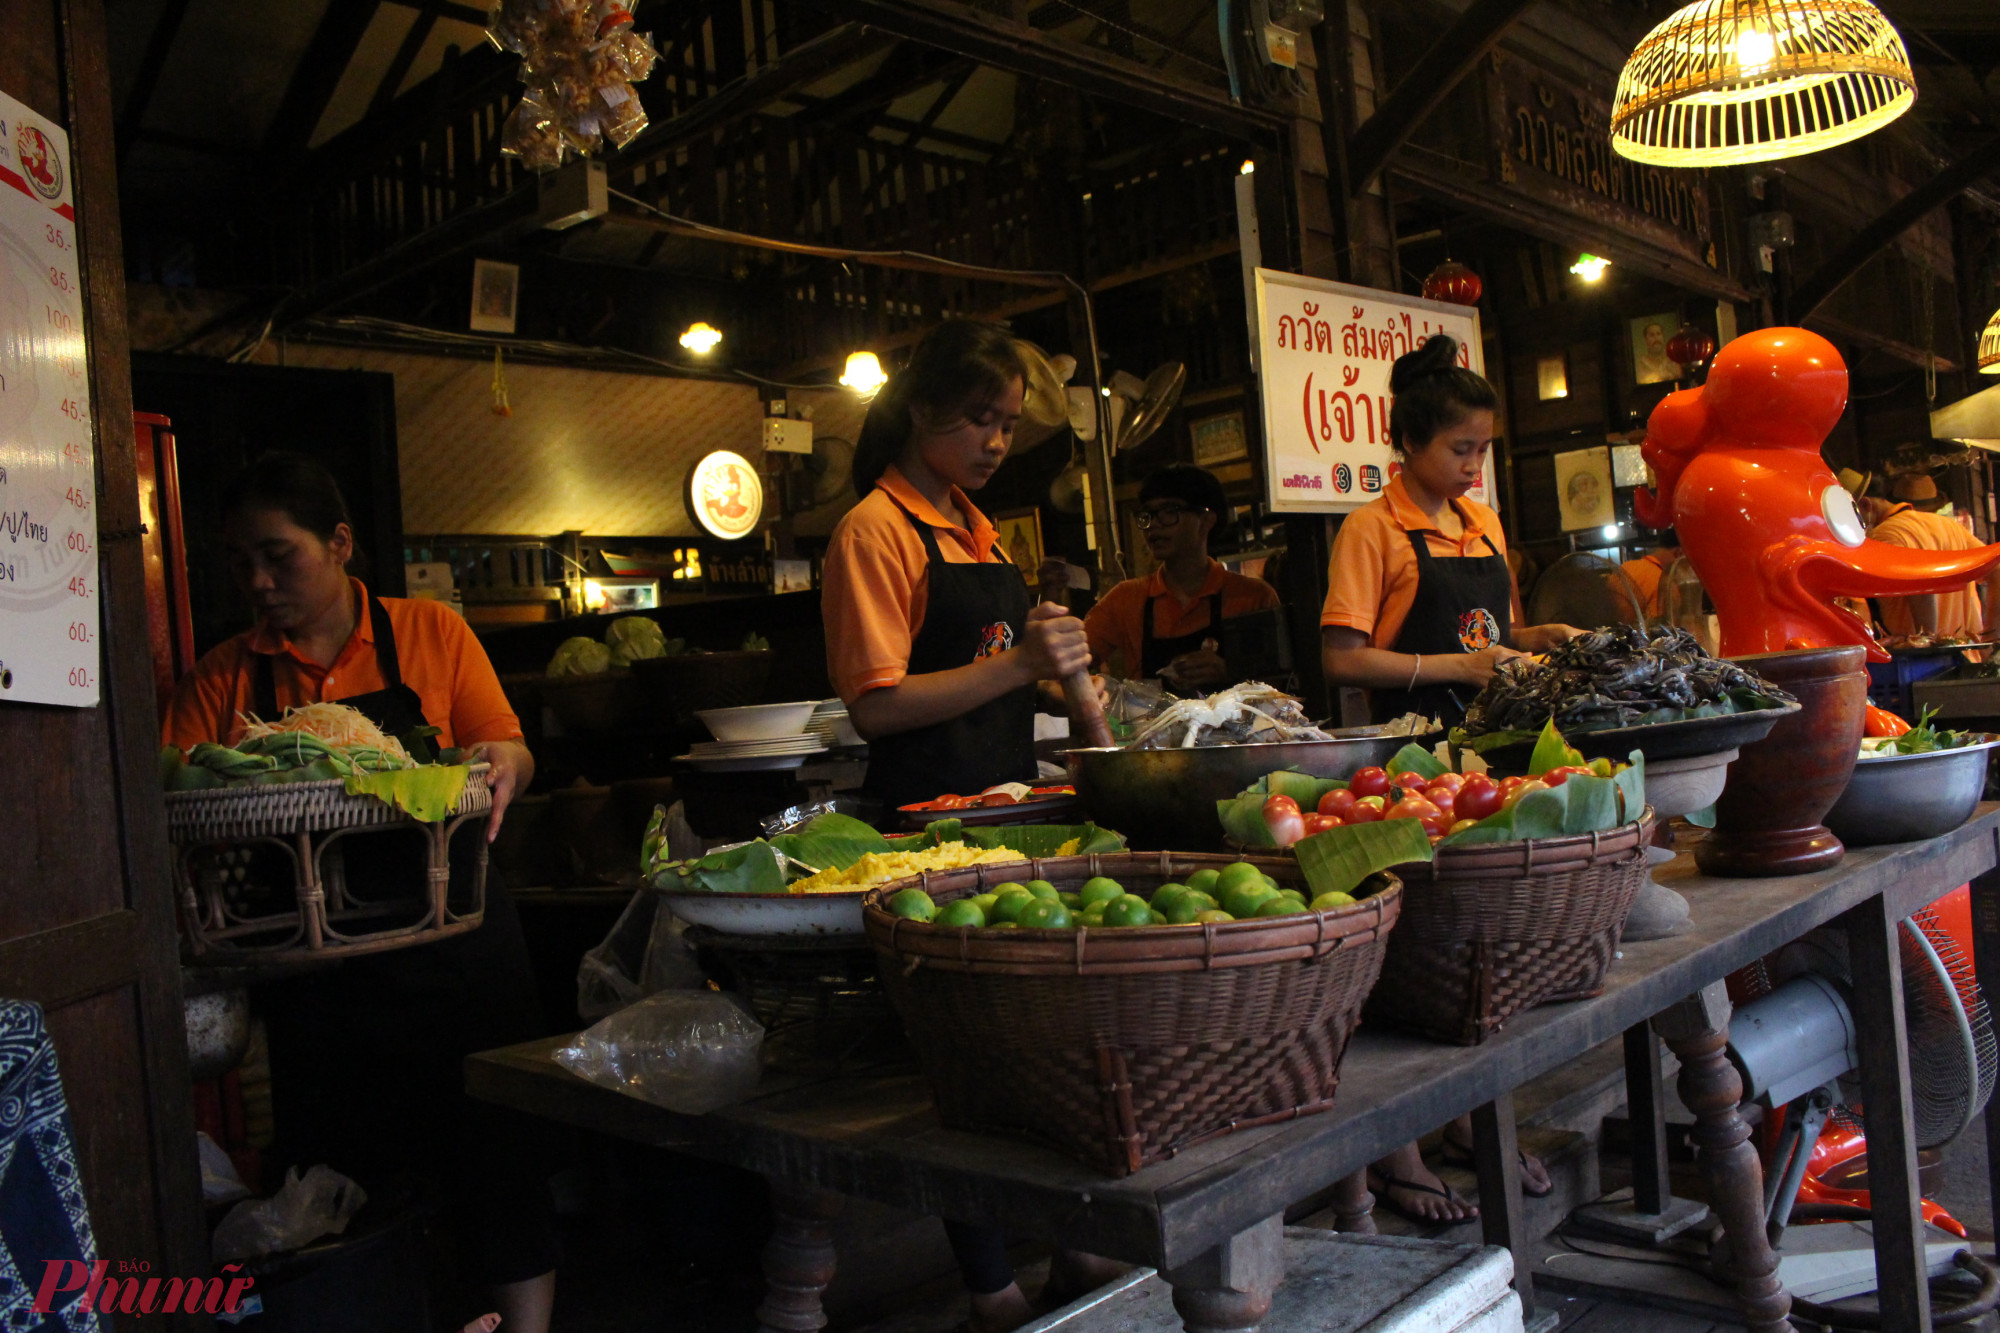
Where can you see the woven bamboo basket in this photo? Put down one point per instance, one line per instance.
(227, 839)
(1491, 930)
(1124, 1047)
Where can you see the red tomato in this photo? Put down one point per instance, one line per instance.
(996, 798)
(1321, 823)
(1369, 782)
(1279, 802)
(1367, 810)
(1443, 800)
(1555, 777)
(1409, 781)
(1337, 802)
(1478, 798)
(1508, 786)
(1282, 818)
(1528, 787)
(1451, 780)
(1413, 807)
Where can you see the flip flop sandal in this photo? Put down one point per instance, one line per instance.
(1450, 1195)
(1458, 1155)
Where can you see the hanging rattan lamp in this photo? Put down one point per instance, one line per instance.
(1725, 82)
(1989, 346)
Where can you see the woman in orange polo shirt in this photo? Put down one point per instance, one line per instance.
(1420, 608)
(365, 1058)
(1169, 624)
(930, 638)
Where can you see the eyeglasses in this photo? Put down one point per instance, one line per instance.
(1167, 517)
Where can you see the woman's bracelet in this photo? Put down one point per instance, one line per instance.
(1414, 669)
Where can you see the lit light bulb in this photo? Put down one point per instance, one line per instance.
(1590, 267)
(1755, 50)
(864, 374)
(701, 339)
(1248, 168)
(593, 594)
(1611, 532)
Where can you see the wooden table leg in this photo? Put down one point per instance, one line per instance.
(1896, 1204)
(1496, 1158)
(1645, 1104)
(1697, 1031)
(798, 1262)
(1986, 960)
(1228, 1289)
(1353, 1205)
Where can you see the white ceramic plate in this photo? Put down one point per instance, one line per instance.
(771, 913)
(757, 722)
(753, 764)
(743, 749)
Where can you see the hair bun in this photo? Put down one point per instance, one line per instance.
(1436, 357)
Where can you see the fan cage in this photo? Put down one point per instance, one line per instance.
(1989, 346)
(1725, 82)
(1953, 1060)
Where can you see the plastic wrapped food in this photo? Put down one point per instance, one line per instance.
(687, 1050)
(579, 59)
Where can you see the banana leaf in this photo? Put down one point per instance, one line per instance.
(1551, 751)
(427, 793)
(1414, 758)
(1581, 805)
(1042, 840)
(752, 868)
(1337, 860)
(831, 842)
(1243, 820)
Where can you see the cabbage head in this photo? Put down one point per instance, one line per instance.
(632, 637)
(580, 657)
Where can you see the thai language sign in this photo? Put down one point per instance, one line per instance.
(1324, 350)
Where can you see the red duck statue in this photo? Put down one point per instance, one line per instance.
(1763, 520)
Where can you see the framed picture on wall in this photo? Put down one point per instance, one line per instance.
(1650, 364)
(1021, 539)
(496, 291)
(1219, 439)
(1583, 489)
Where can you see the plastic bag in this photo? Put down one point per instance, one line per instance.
(644, 954)
(303, 1210)
(219, 1181)
(689, 1051)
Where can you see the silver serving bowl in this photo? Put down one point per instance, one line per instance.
(771, 913)
(1910, 797)
(1164, 800)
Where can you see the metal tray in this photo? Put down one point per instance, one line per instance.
(771, 913)
(1658, 740)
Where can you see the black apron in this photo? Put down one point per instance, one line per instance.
(1155, 653)
(395, 708)
(1464, 604)
(972, 611)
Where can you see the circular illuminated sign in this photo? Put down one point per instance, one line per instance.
(724, 495)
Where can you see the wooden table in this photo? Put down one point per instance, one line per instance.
(1210, 1220)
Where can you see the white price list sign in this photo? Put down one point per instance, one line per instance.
(48, 496)
(1324, 350)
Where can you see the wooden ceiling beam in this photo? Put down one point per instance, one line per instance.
(463, 13)
(317, 75)
(406, 55)
(1021, 49)
(147, 81)
(1475, 32)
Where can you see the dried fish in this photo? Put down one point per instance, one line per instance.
(1622, 676)
(1252, 713)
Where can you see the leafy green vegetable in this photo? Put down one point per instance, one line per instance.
(1337, 860)
(1414, 758)
(579, 657)
(1924, 738)
(634, 638)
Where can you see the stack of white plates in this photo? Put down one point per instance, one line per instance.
(831, 724)
(749, 756)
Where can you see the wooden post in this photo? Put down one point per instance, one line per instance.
(1353, 1205)
(1228, 1289)
(1496, 1157)
(1645, 1104)
(1896, 1205)
(799, 1260)
(1697, 1031)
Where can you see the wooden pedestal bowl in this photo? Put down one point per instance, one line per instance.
(1768, 821)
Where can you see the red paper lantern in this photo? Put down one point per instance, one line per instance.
(1453, 282)
(1691, 345)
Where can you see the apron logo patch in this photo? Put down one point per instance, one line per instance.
(995, 639)
(1478, 630)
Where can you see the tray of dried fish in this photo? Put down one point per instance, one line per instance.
(1252, 713)
(1620, 689)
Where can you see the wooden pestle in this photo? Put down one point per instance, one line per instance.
(1086, 712)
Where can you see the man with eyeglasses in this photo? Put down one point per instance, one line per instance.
(1174, 623)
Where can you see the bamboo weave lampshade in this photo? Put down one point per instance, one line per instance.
(1989, 346)
(1724, 82)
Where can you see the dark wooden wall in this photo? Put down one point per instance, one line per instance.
(86, 920)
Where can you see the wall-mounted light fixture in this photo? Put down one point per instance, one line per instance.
(701, 339)
(1551, 377)
(864, 374)
(1590, 267)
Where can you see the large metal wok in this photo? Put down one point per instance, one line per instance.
(1164, 800)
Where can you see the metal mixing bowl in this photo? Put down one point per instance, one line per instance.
(1910, 797)
(1164, 800)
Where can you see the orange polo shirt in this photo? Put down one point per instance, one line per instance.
(1372, 576)
(1117, 633)
(436, 652)
(875, 585)
(1958, 614)
(1646, 573)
